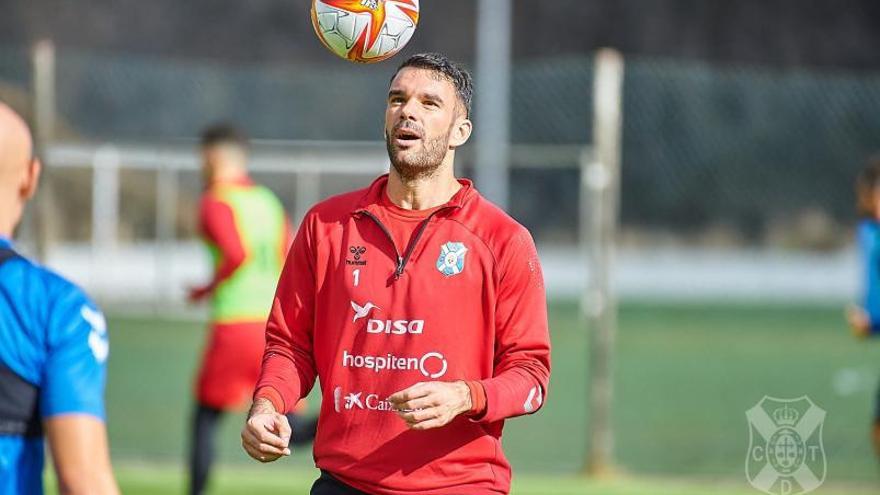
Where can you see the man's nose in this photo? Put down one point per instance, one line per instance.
(408, 110)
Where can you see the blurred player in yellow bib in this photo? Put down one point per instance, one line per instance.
(248, 234)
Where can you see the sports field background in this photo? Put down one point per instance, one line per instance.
(685, 375)
(744, 126)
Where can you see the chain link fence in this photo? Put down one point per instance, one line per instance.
(734, 156)
(15, 78)
(765, 155)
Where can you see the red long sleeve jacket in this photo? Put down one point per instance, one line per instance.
(463, 301)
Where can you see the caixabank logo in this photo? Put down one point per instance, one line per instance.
(786, 455)
(359, 401)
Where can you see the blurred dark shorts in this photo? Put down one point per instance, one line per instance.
(877, 407)
(328, 485)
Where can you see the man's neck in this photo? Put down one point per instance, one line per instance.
(423, 193)
(230, 175)
(9, 217)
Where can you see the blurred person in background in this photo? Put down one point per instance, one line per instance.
(248, 235)
(864, 319)
(53, 352)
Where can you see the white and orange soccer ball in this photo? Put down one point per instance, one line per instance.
(365, 31)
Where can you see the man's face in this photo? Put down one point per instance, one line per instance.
(421, 114)
(220, 157)
(210, 162)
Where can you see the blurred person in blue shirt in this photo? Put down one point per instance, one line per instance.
(864, 318)
(53, 352)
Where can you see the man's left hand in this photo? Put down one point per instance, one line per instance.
(427, 405)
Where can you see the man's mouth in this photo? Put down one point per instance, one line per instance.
(406, 136)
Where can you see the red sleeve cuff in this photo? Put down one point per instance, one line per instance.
(478, 399)
(273, 396)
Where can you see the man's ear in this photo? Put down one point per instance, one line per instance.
(461, 132)
(31, 179)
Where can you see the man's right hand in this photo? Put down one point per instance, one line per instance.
(266, 434)
(197, 294)
(859, 321)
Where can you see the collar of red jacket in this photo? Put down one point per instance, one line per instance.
(372, 198)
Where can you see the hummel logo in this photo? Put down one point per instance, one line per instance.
(362, 311)
(357, 251)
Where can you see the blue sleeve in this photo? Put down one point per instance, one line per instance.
(76, 361)
(869, 245)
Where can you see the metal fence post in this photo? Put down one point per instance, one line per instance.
(308, 192)
(105, 206)
(600, 183)
(491, 168)
(43, 94)
(166, 226)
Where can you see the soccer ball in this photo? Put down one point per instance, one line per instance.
(365, 31)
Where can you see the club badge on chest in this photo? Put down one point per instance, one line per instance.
(451, 259)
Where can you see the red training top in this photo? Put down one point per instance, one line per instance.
(463, 300)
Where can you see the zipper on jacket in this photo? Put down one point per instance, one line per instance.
(403, 260)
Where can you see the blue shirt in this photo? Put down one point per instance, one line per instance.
(869, 245)
(54, 338)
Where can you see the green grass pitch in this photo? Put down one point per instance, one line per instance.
(271, 480)
(685, 375)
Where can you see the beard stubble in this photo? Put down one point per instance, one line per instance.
(419, 165)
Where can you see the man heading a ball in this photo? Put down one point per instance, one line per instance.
(419, 305)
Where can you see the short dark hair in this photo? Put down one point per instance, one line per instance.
(448, 69)
(223, 133)
(867, 185)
